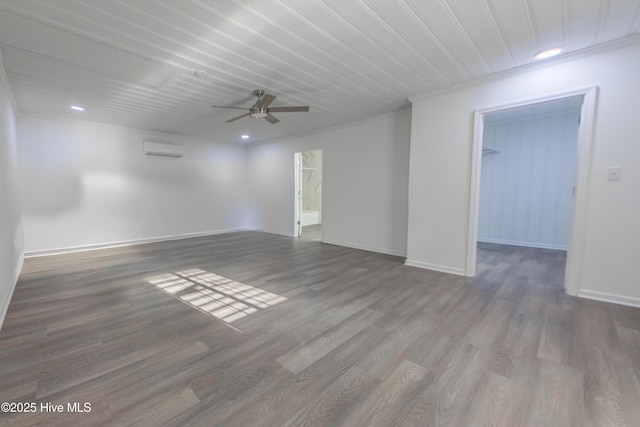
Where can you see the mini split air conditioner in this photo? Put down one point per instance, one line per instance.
(163, 149)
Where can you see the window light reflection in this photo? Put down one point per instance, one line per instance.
(219, 296)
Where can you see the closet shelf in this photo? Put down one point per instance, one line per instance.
(488, 150)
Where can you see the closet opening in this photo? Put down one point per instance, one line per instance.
(529, 178)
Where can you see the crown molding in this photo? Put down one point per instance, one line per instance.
(341, 126)
(571, 56)
(161, 136)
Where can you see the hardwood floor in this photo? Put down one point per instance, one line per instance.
(253, 329)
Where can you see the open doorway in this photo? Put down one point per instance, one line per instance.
(541, 196)
(527, 180)
(308, 195)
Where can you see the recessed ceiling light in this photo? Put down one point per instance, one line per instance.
(77, 108)
(244, 136)
(548, 53)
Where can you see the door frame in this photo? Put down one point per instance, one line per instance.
(297, 188)
(297, 194)
(583, 169)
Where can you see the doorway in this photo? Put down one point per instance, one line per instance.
(573, 209)
(308, 195)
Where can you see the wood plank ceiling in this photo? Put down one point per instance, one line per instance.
(133, 63)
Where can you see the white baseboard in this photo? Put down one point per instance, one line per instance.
(365, 247)
(14, 281)
(82, 248)
(525, 244)
(435, 267)
(616, 299)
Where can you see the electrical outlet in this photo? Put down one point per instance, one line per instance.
(614, 173)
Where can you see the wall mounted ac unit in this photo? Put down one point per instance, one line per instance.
(163, 149)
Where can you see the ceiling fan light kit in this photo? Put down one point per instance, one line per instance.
(261, 110)
(259, 114)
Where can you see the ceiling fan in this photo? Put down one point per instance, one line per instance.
(261, 110)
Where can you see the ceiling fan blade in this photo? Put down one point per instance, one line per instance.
(235, 108)
(289, 109)
(271, 119)
(236, 118)
(265, 101)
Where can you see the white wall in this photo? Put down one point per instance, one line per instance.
(365, 177)
(526, 189)
(11, 237)
(441, 144)
(86, 184)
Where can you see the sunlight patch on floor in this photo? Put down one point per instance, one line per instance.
(213, 294)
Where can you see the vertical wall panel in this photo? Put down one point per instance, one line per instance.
(526, 189)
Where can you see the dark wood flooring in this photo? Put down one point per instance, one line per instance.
(252, 329)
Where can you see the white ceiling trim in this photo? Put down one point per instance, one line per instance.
(602, 47)
(456, 20)
(315, 64)
(340, 126)
(134, 63)
(424, 27)
(527, 8)
(377, 16)
(489, 8)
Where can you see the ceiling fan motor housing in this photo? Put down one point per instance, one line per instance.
(258, 113)
(261, 110)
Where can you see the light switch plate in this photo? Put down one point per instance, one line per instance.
(614, 173)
